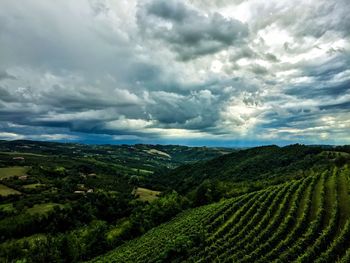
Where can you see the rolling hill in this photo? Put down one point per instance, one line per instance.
(130, 158)
(247, 170)
(76, 203)
(288, 195)
(301, 220)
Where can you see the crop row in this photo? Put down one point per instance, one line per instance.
(311, 232)
(297, 230)
(288, 220)
(247, 234)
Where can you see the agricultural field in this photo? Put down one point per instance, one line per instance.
(5, 191)
(8, 172)
(42, 208)
(33, 186)
(304, 220)
(81, 203)
(141, 171)
(157, 152)
(145, 194)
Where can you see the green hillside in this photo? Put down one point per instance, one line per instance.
(138, 158)
(302, 220)
(74, 203)
(260, 163)
(245, 171)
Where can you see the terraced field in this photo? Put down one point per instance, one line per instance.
(304, 220)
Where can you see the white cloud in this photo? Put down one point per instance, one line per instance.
(175, 69)
(10, 136)
(53, 137)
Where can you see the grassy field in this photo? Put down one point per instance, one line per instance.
(146, 194)
(5, 191)
(6, 207)
(12, 171)
(33, 186)
(157, 152)
(142, 171)
(42, 208)
(16, 154)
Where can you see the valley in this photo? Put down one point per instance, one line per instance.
(152, 203)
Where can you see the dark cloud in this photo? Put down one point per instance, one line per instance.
(259, 70)
(5, 95)
(170, 10)
(271, 57)
(326, 90)
(189, 32)
(327, 71)
(5, 75)
(243, 52)
(344, 106)
(194, 111)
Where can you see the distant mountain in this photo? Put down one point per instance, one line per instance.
(140, 156)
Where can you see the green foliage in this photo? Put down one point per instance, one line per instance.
(272, 225)
(157, 212)
(253, 168)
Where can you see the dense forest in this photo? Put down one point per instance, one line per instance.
(153, 203)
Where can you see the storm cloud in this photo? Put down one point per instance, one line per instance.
(175, 71)
(189, 32)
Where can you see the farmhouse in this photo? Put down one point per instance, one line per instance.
(79, 192)
(18, 158)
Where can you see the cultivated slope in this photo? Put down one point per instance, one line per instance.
(304, 220)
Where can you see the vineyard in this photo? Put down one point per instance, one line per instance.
(302, 220)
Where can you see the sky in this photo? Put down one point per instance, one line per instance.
(196, 72)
